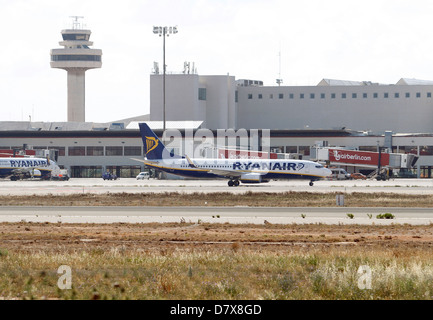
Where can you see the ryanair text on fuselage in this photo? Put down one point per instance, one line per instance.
(273, 166)
(28, 163)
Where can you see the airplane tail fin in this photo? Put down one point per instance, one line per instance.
(154, 149)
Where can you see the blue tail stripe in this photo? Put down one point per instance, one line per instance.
(154, 149)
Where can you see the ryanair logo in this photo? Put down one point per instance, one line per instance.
(274, 166)
(151, 144)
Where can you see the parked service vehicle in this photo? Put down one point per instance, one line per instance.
(109, 176)
(143, 175)
(358, 176)
(339, 174)
(60, 175)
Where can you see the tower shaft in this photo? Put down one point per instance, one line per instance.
(76, 94)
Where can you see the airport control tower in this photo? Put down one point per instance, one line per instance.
(76, 58)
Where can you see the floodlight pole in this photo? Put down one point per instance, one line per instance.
(163, 31)
(163, 79)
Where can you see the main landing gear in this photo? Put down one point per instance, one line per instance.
(232, 183)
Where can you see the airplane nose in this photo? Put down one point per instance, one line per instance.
(327, 172)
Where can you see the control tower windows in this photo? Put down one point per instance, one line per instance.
(75, 57)
(75, 36)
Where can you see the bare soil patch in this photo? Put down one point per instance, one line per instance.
(60, 237)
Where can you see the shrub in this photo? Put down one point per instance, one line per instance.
(385, 216)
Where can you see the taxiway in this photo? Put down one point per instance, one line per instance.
(98, 185)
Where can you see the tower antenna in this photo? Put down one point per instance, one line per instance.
(279, 80)
(76, 24)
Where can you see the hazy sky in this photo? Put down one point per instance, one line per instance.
(375, 40)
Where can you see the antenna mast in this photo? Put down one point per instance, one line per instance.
(76, 24)
(279, 80)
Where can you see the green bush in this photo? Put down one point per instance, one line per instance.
(385, 216)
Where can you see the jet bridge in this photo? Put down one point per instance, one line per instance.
(381, 162)
(366, 159)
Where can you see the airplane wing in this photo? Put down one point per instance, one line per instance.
(229, 174)
(150, 162)
(226, 173)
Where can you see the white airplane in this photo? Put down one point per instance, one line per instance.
(245, 170)
(24, 168)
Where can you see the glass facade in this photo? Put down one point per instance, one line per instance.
(96, 171)
(132, 151)
(86, 171)
(124, 171)
(76, 57)
(76, 151)
(113, 151)
(95, 151)
(76, 36)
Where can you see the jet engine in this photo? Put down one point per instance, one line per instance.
(252, 178)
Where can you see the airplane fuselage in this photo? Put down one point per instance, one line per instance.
(25, 167)
(245, 170)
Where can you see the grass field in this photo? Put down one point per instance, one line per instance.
(231, 273)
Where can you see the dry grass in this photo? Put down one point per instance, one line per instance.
(319, 273)
(262, 199)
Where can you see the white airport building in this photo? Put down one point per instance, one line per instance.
(224, 102)
(345, 114)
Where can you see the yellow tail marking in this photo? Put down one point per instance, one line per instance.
(151, 143)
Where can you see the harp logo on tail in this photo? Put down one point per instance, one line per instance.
(151, 144)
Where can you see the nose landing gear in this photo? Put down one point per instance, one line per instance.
(311, 183)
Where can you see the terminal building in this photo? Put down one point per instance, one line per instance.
(89, 149)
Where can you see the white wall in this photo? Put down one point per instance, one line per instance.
(220, 101)
(182, 103)
(181, 98)
(376, 114)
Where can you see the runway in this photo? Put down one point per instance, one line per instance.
(98, 185)
(253, 215)
(332, 215)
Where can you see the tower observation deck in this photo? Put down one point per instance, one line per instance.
(76, 58)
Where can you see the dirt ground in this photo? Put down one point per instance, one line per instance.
(55, 237)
